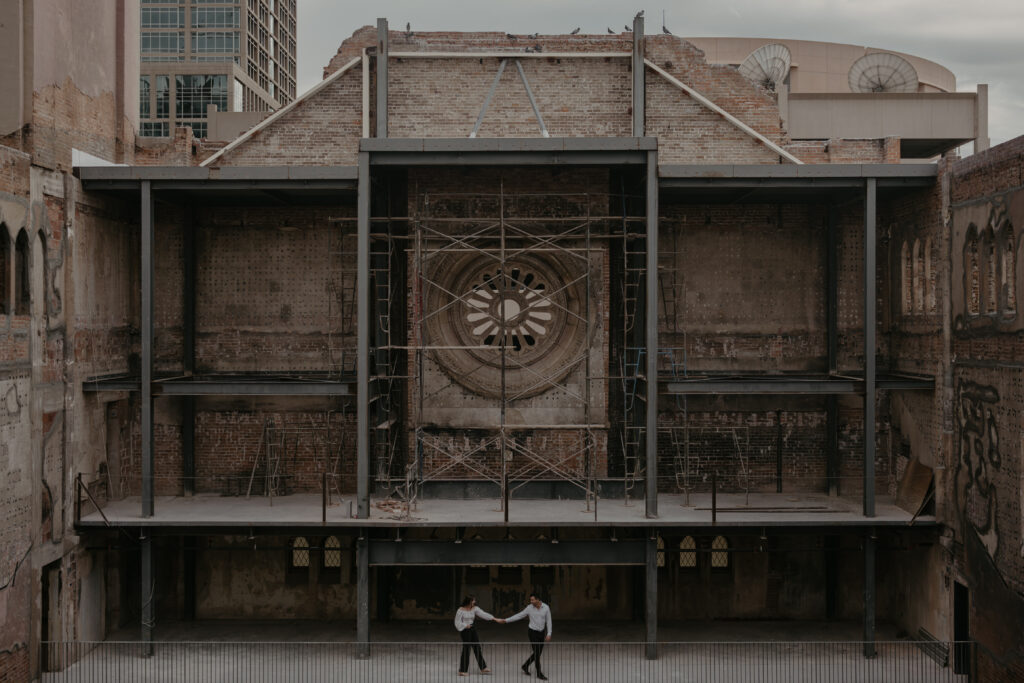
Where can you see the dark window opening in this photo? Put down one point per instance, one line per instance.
(22, 288)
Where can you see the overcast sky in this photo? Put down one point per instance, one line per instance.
(980, 41)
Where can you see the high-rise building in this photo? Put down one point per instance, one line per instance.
(236, 54)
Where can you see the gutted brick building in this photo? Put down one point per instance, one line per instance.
(576, 314)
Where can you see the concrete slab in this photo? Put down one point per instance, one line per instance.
(410, 652)
(733, 510)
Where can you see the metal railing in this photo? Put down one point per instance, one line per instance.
(593, 662)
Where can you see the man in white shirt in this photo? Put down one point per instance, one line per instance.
(539, 632)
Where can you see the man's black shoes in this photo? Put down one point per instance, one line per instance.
(541, 676)
(526, 669)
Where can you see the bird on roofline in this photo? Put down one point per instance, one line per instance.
(574, 31)
(408, 30)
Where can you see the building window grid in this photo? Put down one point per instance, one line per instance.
(214, 17)
(153, 129)
(169, 42)
(145, 108)
(196, 91)
(163, 97)
(5, 251)
(162, 17)
(215, 41)
(720, 553)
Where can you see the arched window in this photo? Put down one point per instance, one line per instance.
(906, 278)
(300, 552)
(929, 278)
(720, 553)
(991, 289)
(918, 277)
(22, 286)
(972, 274)
(5, 269)
(332, 552)
(688, 553)
(1010, 272)
(661, 551)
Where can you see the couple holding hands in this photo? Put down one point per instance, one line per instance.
(537, 612)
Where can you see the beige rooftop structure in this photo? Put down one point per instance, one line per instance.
(816, 101)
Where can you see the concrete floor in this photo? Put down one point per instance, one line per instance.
(796, 509)
(766, 652)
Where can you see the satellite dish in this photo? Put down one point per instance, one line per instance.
(768, 65)
(882, 72)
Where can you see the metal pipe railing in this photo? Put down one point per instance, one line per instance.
(300, 662)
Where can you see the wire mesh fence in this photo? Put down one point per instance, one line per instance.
(301, 662)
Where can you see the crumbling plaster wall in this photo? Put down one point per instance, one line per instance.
(985, 482)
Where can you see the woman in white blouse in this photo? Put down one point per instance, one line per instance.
(465, 624)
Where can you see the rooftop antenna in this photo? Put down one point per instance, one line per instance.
(882, 72)
(767, 66)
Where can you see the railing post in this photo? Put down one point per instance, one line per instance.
(324, 500)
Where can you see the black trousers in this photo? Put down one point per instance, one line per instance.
(537, 645)
(470, 641)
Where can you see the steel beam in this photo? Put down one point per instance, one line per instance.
(235, 387)
(363, 596)
(557, 144)
(651, 336)
(188, 404)
(146, 314)
(832, 445)
(870, 200)
(752, 172)
(382, 78)
(651, 595)
(765, 385)
(510, 158)
(447, 553)
(147, 584)
(639, 71)
(832, 288)
(870, 540)
(363, 339)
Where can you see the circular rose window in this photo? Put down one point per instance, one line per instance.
(526, 314)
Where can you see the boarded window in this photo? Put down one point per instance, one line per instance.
(332, 552)
(906, 279)
(300, 552)
(1010, 272)
(972, 274)
(688, 553)
(22, 286)
(661, 551)
(720, 553)
(5, 268)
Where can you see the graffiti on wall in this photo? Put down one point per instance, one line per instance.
(978, 460)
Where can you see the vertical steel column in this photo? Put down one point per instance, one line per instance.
(870, 192)
(651, 595)
(832, 343)
(870, 540)
(382, 78)
(146, 276)
(147, 586)
(651, 338)
(639, 70)
(188, 403)
(363, 340)
(363, 594)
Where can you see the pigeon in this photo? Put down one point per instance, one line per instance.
(538, 48)
(533, 36)
(628, 29)
(611, 32)
(574, 31)
(408, 30)
(510, 36)
(664, 29)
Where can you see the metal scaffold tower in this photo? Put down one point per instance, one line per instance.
(505, 347)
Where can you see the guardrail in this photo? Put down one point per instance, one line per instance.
(594, 662)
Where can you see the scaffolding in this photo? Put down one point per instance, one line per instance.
(508, 303)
